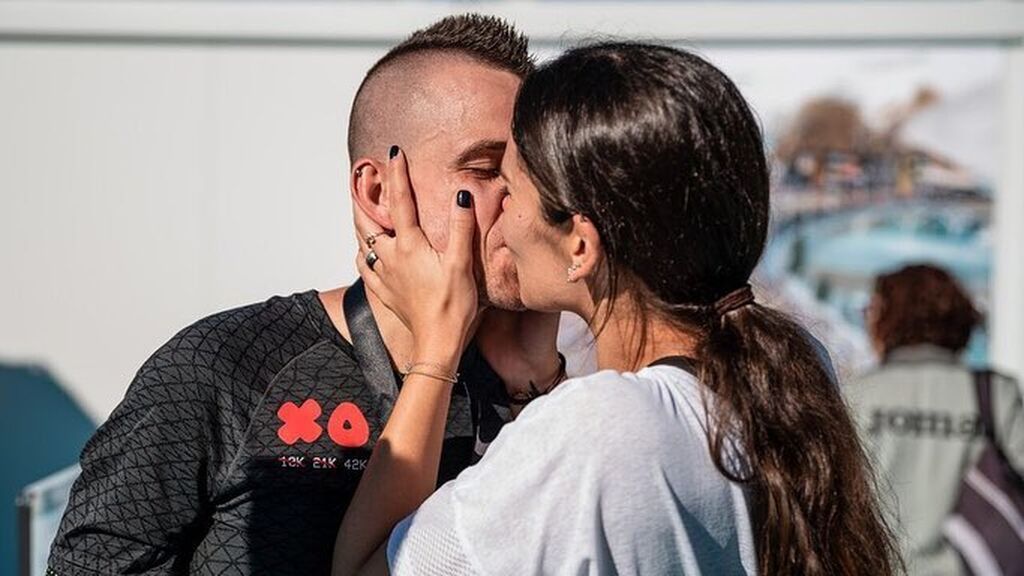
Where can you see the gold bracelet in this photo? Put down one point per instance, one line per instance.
(453, 379)
(411, 365)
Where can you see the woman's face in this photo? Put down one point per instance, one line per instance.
(541, 251)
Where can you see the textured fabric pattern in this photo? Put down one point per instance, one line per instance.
(608, 474)
(433, 547)
(917, 415)
(237, 449)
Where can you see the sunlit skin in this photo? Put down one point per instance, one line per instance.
(463, 115)
(454, 139)
(543, 253)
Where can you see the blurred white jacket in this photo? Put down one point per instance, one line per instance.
(918, 418)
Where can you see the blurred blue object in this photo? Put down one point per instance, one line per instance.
(44, 431)
(40, 509)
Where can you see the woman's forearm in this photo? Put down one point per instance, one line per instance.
(403, 468)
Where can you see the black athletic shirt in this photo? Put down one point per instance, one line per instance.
(238, 447)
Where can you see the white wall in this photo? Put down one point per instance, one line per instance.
(162, 160)
(1008, 274)
(145, 186)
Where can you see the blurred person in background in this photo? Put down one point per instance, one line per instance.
(239, 444)
(918, 412)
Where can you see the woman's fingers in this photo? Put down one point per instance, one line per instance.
(371, 279)
(379, 257)
(461, 228)
(371, 236)
(401, 202)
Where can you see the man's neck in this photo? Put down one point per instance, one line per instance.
(397, 338)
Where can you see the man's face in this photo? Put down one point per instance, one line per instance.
(467, 113)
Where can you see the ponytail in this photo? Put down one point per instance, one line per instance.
(813, 492)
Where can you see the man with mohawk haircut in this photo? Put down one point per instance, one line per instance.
(240, 442)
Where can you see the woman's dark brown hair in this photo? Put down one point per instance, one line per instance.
(659, 149)
(921, 304)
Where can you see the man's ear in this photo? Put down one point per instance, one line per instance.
(585, 250)
(368, 194)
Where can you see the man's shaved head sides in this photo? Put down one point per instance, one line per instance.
(384, 108)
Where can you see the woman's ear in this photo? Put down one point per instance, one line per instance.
(365, 183)
(585, 250)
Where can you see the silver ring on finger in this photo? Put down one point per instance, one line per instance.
(371, 259)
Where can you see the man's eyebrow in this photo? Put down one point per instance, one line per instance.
(480, 149)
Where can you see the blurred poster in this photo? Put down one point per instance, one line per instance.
(881, 157)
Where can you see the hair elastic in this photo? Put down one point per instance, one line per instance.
(734, 300)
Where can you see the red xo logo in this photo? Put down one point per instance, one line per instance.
(347, 426)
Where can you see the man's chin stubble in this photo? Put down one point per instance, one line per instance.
(502, 293)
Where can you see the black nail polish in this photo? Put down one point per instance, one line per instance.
(464, 199)
(393, 152)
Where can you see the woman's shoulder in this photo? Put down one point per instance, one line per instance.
(646, 389)
(637, 408)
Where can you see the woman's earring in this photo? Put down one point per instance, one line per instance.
(570, 273)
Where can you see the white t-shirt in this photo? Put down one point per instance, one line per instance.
(608, 474)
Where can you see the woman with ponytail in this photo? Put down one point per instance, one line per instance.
(713, 440)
